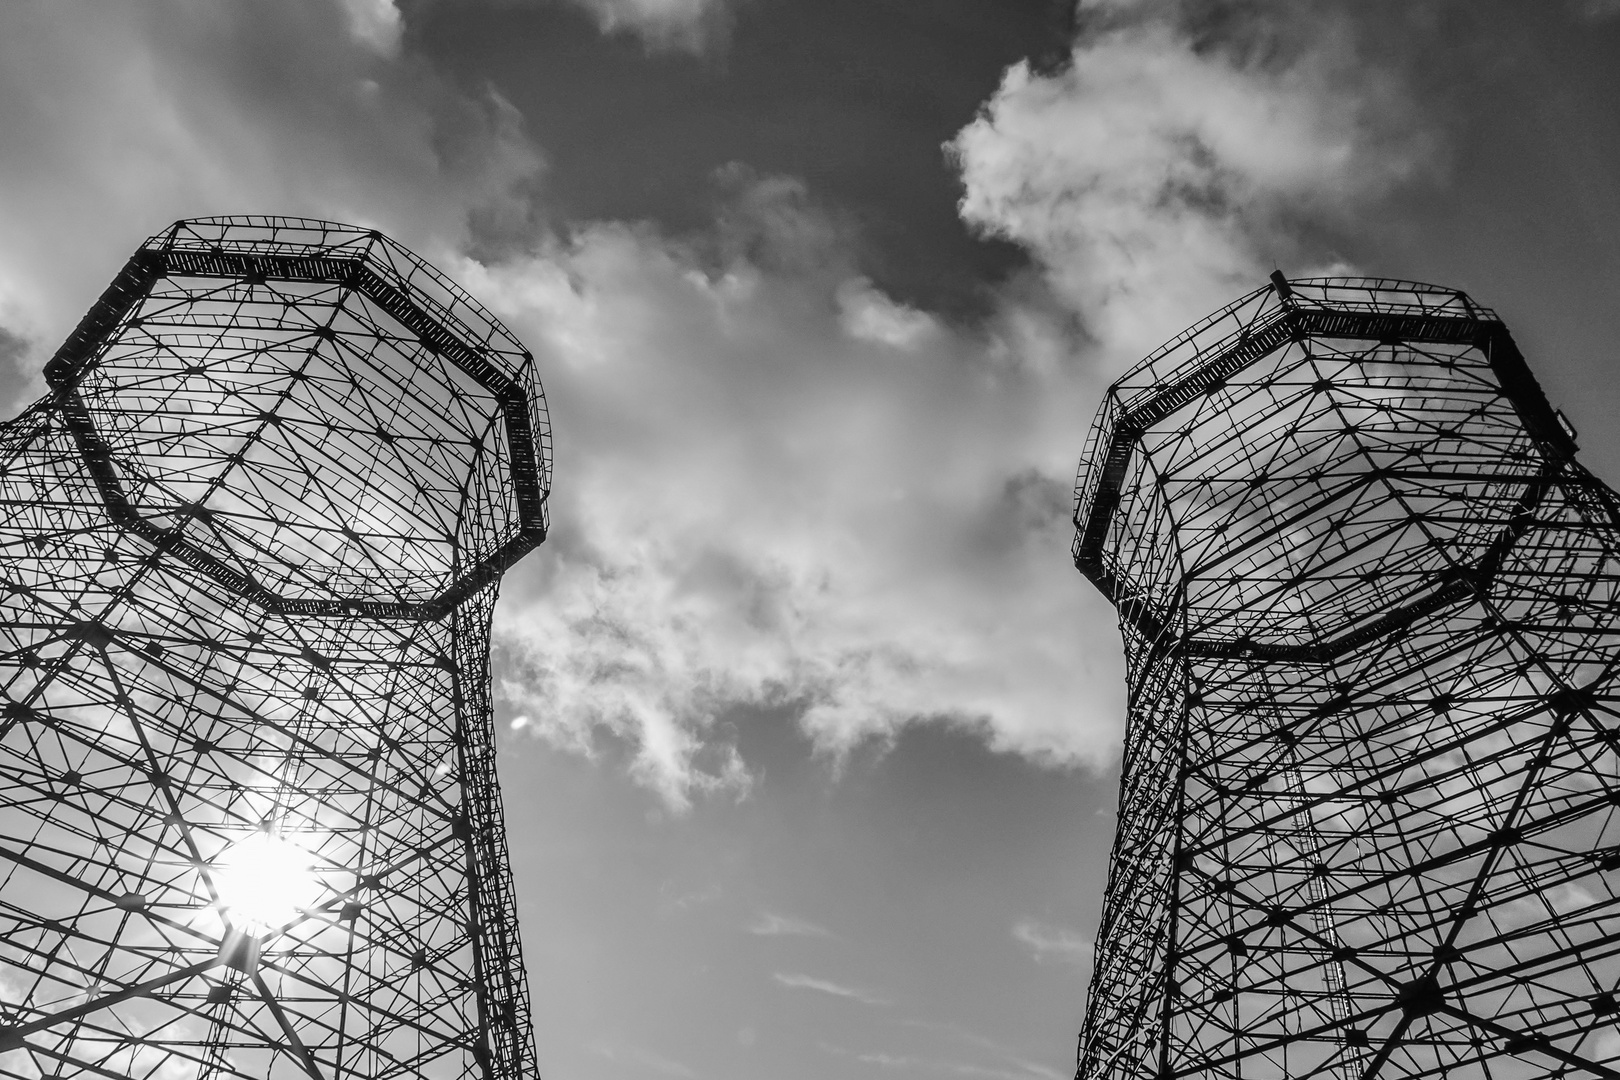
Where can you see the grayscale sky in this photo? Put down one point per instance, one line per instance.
(809, 730)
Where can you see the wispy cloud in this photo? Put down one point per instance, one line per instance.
(795, 981)
(645, 1059)
(770, 924)
(1597, 10)
(1056, 944)
(1034, 1068)
(938, 1067)
(935, 1065)
(690, 25)
(993, 1048)
(672, 900)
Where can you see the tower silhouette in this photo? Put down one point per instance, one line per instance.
(249, 549)
(1368, 810)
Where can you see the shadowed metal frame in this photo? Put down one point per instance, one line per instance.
(248, 562)
(1368, 810)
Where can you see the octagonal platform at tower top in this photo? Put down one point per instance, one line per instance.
(1228, 480)
(310, 414)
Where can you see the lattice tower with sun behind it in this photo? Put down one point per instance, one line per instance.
(249, 550)
(1369, 820)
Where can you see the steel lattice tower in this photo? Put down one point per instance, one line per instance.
(1368, 813)
(249, 823)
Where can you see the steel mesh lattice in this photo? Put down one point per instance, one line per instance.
(250, 549)
(1368, 812)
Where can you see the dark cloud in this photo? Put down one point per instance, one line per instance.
(851, 97)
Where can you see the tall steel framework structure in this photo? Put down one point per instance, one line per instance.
(249, 548)
(1369, 820)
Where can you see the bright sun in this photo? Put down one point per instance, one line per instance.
(264, 881)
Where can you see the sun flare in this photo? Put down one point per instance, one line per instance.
(264, 881)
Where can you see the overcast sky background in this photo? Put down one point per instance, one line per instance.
(809, 728)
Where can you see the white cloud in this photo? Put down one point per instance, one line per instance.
(375, 24)
(1156, 177)
(867, 314)
(772, 925)
(754, 509)
(795, 981)
(781, 488)
(692, 25)
(1055, 944)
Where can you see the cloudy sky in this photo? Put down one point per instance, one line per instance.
(809, 728)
